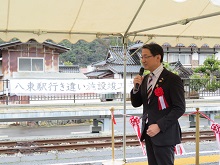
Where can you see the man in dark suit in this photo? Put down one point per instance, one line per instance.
(162, 95)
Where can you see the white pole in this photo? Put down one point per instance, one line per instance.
(124, 97)
(113, 135)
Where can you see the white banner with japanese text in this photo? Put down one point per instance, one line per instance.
(39, 86)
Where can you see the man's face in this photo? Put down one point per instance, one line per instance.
(149, 61)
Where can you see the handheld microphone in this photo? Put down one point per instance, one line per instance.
(141, 74)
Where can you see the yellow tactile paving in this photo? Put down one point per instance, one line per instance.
(188, 161)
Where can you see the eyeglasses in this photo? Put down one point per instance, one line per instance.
(145, 57)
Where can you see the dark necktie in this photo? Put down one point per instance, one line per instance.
(150, 87)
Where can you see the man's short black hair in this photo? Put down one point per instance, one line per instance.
(155, 49)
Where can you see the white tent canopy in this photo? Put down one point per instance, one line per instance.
(190, 22)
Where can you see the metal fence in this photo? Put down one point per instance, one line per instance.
(194, 88)
(197, 88)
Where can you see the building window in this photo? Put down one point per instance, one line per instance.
(165, 57)
(202, 58)
(183, 58)
(31, 64)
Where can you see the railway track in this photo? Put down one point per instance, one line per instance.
(40, 146)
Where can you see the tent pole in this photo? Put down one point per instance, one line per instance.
(182, 22)
(135, 16)
(125, 42)
(125, 45)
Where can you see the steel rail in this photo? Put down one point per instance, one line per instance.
(26, 147)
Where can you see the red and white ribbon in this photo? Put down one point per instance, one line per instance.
(179, 150)
(135, 121)
(113, 117)
(216, 128)
(162, 104)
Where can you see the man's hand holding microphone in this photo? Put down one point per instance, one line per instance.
(138, 79)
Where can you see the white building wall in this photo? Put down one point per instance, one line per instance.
(90, 68)
(217, 55)
(120, 76)
(117, 76)
(195, 56)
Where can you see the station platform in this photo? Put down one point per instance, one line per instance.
(203, 160)
(208, 160)
(99, 111)
(32, 112)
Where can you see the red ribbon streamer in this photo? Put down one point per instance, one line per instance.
(179, 150)
(135, 121)
(164, 102)
(113, 117)
(215, 127)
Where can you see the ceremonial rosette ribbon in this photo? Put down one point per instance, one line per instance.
(135, 121)
(216, 128)
(162, 104)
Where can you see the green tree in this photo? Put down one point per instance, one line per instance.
(210, 66)
(83, 53)
(198, 81)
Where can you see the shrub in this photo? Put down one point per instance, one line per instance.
(213, 85)
(197, 82)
